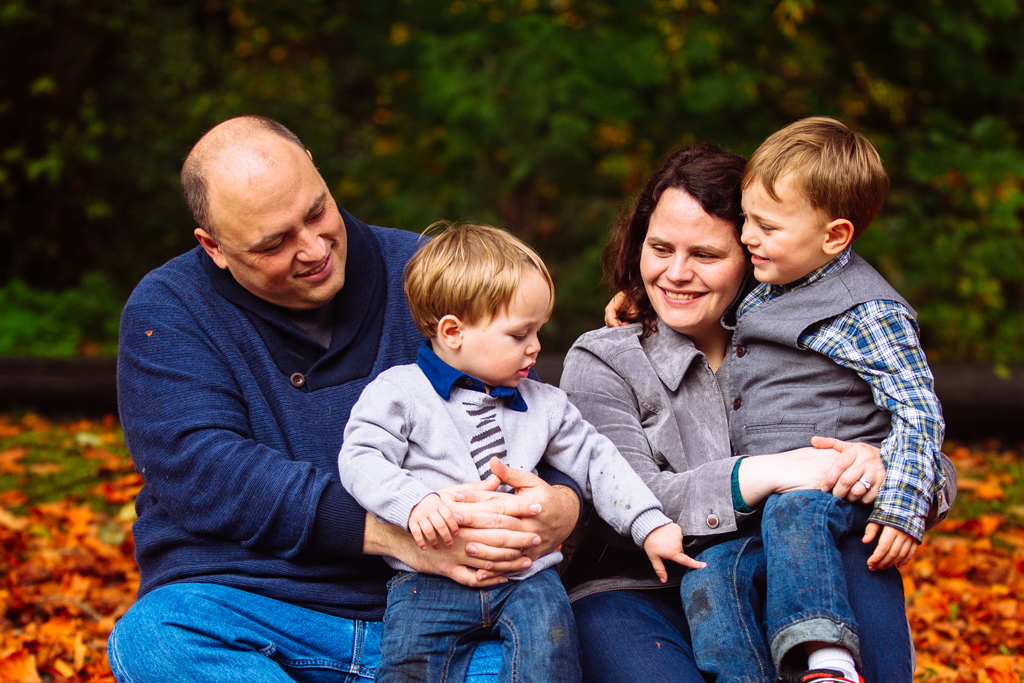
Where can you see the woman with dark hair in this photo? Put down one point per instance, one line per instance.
(655, 387)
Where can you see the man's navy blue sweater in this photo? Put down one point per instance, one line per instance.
(234, 418)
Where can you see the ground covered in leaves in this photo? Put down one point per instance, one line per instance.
(67, 573)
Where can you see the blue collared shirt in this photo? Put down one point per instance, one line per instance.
(878, 340)
(443, 377)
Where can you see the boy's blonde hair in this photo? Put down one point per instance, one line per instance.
(836, 169)
(469, 271)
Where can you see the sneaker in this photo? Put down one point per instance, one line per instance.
(826, 676)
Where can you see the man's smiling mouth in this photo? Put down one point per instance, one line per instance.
(318, 269)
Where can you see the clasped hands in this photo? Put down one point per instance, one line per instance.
(478, 533)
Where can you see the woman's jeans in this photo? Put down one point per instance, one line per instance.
(432, 623)
(803, 578)
(205, 633)
(634, 636)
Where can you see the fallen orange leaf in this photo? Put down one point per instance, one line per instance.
(989, 491)
(42, 469)
(983, 525)
(63, 668)
(19, 667)
(12, 498)
(10, 460)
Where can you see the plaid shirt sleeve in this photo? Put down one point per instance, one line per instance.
(878, 340)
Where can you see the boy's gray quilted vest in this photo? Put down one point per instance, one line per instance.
(780, 395)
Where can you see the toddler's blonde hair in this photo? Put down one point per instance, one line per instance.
(470, 271)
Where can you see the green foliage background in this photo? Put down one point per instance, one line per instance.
(540, 115)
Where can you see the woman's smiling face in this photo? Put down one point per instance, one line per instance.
(692, 265)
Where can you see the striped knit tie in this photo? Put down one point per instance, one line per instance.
(487, 440)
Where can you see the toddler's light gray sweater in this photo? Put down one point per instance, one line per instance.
(403, 442)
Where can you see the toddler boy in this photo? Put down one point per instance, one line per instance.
(823, 345)
(480, 297)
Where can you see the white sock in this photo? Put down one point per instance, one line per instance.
(838, 658)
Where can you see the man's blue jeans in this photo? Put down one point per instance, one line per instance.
(431, 623)
(205, 633)
(801, 577)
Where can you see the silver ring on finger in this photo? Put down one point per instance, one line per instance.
(865, 483)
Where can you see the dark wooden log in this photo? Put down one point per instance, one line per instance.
(76, 386)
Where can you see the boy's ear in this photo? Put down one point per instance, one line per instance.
(449, 332)
(838, 236)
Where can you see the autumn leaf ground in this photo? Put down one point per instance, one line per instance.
(67, 570)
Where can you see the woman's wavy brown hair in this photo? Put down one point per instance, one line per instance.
(705, 172)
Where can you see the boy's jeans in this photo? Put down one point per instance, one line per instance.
(808, 600)
(432, 622)
(810, 563)
(196, 632)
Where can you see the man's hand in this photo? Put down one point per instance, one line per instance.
(666, 543)
(611, 311)
(895, 547)
(498, 532)
(551, 512)
(473, 550)
(497, 518)
(857, 463)
(431, 521)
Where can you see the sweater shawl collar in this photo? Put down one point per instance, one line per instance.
(357, 310)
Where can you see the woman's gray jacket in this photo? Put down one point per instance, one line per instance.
(658, 400)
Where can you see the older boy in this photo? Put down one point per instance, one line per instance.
(825, 346)
(480, 297)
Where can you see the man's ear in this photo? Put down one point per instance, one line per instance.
(838, 236)
(211, 247)
(449, 332)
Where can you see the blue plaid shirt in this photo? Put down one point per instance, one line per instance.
(878, 340)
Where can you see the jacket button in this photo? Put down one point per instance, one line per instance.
(737, 403)
(712, 521)
(298, 380)
(741, 351)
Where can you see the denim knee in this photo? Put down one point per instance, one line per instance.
(724, 606)
(136, 649)
(204, 632)
(634, 635)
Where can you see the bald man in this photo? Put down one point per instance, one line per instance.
(238, 364)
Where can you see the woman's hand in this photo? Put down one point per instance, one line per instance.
(830, 465)
(856, 474)
(797, 470)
